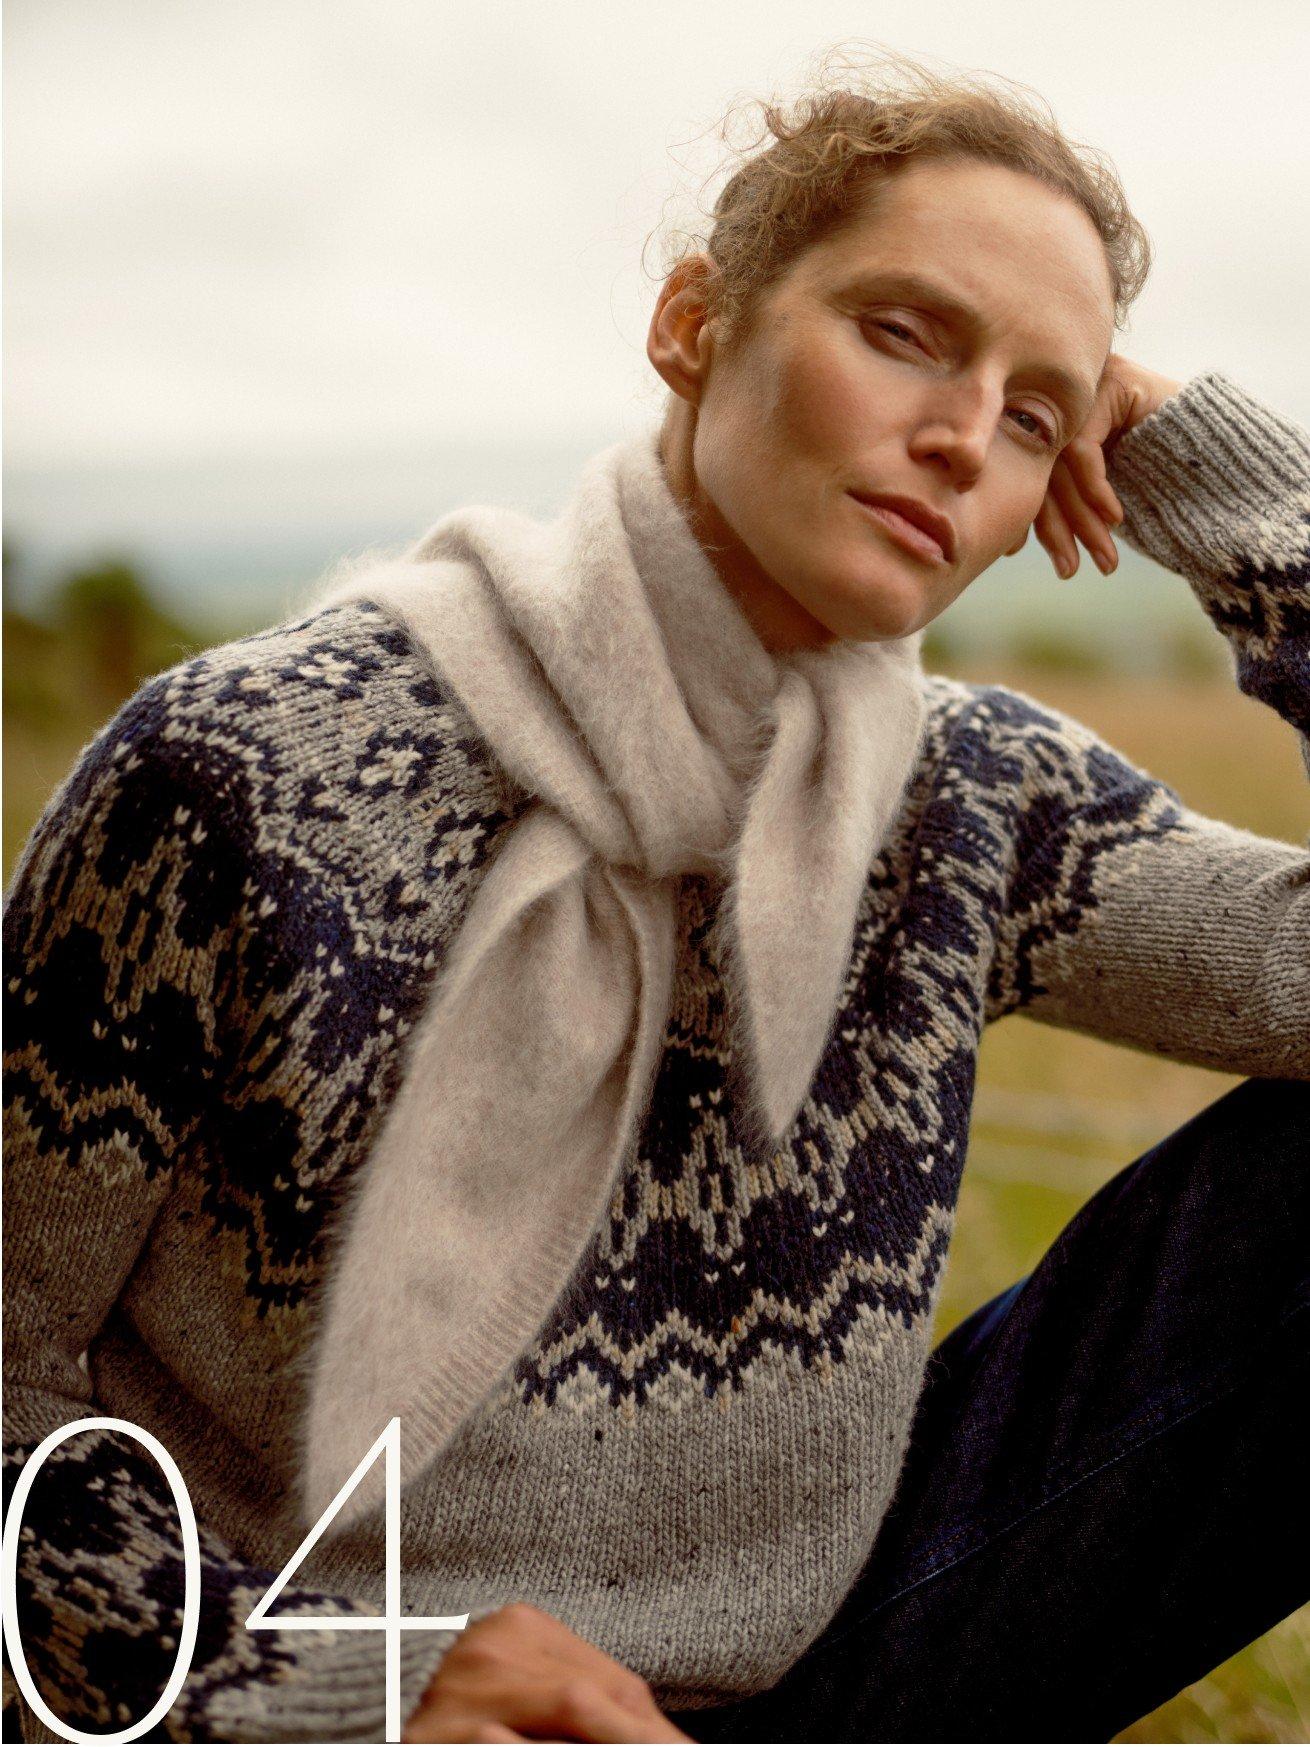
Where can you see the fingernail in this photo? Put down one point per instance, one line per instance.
(1064, 566)
(1104, 562)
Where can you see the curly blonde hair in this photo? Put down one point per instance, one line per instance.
(863, 121)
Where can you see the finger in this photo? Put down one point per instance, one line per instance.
(553, 1638)
(584, 1713)
(628, 1690)
(661, 1729)
(1085, 462)
(1078, 482)
(1054, 532)
(557, 1649)
(634, 1694)
(614, 1678)
(1083, 520)
(647, 1720)
(445, 1725)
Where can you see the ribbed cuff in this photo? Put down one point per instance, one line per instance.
(335, 1690)
(1213, 479)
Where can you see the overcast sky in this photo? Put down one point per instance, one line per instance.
(273, 227)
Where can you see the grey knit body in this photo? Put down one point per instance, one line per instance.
(218, 937)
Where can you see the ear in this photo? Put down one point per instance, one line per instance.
(681, 341)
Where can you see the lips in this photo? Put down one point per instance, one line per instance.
(917, 526)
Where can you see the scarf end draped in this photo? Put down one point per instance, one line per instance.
(529, 1071)
(849, 729)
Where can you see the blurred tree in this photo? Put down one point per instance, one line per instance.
(9, 568)
(30, 693)
(112, 633)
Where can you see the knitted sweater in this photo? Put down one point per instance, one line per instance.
(218, 937)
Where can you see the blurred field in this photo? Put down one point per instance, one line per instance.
(1056, 1114)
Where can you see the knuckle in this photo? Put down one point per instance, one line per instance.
(519, 1613)
(635, 1686)
(508, 1625)
(576, 1699)
(434, 1723)
(639, 1700)
(476, 1648)
(478, 1656)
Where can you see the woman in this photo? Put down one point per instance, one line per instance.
(536, 995)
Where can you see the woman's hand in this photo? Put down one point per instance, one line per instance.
(521, 1675)
(1079, 500)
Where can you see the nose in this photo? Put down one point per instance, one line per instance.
(956, 429)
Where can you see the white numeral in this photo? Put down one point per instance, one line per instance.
(392, 1622)
(190, 1565)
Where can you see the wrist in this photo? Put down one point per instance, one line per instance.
(1151, 391)
(1208, 479)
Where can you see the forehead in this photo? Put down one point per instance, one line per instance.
(1000, 231)
(987, 250)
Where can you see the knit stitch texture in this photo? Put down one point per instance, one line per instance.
(219, 935)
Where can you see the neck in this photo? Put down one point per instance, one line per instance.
(778, 619)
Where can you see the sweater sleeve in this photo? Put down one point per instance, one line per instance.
(1133, 917)
(120, 925)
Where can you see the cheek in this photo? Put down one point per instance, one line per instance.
(825, 404)
(1002, 507)
(747, 443)
(1016, 518)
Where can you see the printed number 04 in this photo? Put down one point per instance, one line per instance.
(392, 1622)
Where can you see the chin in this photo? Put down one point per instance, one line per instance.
(876, 614)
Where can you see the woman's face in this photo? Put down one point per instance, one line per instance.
(958, 389)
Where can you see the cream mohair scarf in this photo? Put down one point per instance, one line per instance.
(615, 678)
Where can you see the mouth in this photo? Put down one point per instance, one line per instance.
(912, 525)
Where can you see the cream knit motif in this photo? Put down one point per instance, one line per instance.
(222, 938)
(610, 673)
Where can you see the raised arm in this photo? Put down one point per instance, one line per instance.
(120, 927)
(1136, 918)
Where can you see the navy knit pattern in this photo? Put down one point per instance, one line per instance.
(225, 924)
(857, 1208)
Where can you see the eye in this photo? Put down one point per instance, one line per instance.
(1047, 434)
(891, 327)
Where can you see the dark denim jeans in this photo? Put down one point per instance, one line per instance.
(1107, 1490)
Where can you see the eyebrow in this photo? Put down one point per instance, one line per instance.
(1078, 392)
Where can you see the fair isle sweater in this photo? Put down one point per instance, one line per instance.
(218, 937)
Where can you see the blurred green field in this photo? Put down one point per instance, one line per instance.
(1056, 1115)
